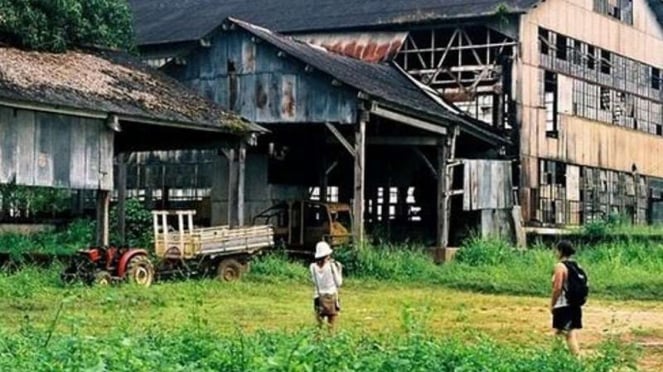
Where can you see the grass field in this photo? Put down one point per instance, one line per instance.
(393, 317)
(486, 311)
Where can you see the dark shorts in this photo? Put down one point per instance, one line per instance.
(567, 318)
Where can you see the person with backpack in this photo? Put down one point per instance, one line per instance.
(569, 294)
(327, 277)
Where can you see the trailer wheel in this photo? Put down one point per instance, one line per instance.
(229, 270)
(102, 278)
(140, 271)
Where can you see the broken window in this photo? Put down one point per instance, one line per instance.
(655, 78)
(544, 40)
(560, 45)
(577, 52)
(550, 102)
(621, 10)
(605, 98)
(606, 61)
(552, 193)
(591, 57)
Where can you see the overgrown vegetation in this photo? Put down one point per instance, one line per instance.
(138, 225)
(77, 235)
(201, 349)
(57, 25)
(616, 270)
(26, 203)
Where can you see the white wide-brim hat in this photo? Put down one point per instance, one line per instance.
(322, 249)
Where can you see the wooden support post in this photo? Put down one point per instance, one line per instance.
(231, 185)
(442, 222)
(359, 173)
(445, 153)
(241, 173)
(324, 179)
(121, 197)
(103, 204)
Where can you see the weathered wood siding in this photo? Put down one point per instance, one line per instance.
(264, 87)
(43, 149)
(487, 184)
(581, 141)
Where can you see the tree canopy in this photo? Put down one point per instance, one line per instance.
(57, 25)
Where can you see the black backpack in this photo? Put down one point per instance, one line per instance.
(577, 289)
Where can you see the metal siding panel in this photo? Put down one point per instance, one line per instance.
(248, 64)
(43, 150)
(8, 145)
(288, 98)
(245, 96)
(78, 157)
(106, 156)
(25, 121)
(61, 129)
(205, 66)
(263, 99)
(91, 153)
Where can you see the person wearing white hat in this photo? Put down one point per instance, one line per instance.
(327, 277)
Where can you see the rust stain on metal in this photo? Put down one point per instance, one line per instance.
(261, 95)
(249, 56)
(288, 94)
(370, 47)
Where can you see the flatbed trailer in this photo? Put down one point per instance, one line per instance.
(222, 250)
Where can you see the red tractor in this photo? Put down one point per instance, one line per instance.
(105, 265)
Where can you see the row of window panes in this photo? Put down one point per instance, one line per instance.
(621, 10)
(614, 107)
(579, 59)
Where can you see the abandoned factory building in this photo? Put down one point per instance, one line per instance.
(548, 109)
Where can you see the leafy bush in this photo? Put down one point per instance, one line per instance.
(277, 267)
(138, 224)
(477, 251)
(57, 25)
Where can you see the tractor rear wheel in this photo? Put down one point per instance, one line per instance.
(140, 271)
(229, 270)
(102, 278)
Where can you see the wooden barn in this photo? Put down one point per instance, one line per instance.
(574, 84)
(64, 118)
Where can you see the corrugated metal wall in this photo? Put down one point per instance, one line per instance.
(251, 79)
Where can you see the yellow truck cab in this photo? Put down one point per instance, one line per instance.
(299, 224)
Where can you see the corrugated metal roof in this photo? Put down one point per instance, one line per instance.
(159, 21)
(108, 82)
(367, 46)
(385, 83)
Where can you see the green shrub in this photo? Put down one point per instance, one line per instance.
(477, 251)
(138, 225)
(277, 267)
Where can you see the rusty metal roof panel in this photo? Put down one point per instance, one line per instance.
(367, 46)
